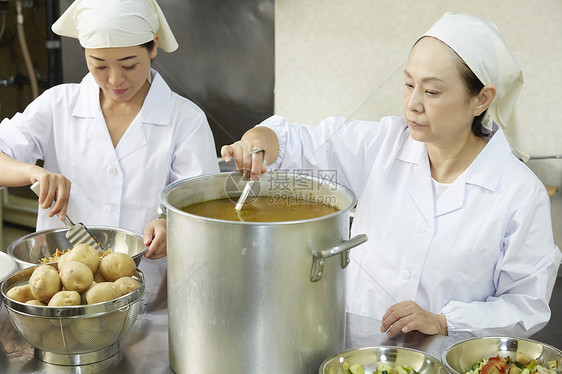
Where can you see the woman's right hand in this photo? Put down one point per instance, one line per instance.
(53, 187)
(252, 165)
(14, 173)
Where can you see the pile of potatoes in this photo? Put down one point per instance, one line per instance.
(82, 278)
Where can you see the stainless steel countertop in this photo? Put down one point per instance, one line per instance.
(145, 348)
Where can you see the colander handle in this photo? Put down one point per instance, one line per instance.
(121, 305)
(343, 249)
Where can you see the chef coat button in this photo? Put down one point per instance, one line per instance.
(420, 229)
(107, 209)
(111, 170)
(404, 274)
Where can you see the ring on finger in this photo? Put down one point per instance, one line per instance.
(255, 151)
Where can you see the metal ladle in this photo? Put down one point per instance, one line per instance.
(248, 187)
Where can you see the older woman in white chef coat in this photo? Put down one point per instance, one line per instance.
(460, 233)
(119, 137)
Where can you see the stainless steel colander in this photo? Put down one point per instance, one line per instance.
(73, 335)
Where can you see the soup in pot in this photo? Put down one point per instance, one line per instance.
(261, 209)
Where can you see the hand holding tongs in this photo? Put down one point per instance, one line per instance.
(249, 184)
(77, 233)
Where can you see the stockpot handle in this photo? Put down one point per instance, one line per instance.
(343, 249)
(162, 211)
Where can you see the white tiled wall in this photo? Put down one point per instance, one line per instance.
(344, 57)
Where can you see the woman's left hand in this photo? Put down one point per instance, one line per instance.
(407, 316)
(155, 238)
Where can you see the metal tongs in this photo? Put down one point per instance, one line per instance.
(249, 184)
(77, 233)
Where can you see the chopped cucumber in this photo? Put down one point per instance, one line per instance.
(357, 369)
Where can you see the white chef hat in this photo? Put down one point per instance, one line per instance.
(115, 23)
(482, 47)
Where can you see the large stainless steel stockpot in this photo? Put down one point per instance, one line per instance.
(265, 297)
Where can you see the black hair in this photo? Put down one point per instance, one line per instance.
(148, 45)
(473, 86)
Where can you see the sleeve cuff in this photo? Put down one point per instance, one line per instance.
(278, 125)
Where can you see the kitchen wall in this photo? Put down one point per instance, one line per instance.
(345, 58)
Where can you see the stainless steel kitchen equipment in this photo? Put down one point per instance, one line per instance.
(256, 296)
(249, 184)
(459, 357)
(30, 249)
(77, 233)
(145, 348)
(370, 357)
(73, 335)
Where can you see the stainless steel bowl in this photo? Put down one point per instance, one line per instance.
(370, 357)
(30, 249)
(459, 357)
(73, 335)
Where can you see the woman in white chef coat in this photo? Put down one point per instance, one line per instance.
(460, 233)
(119, 136)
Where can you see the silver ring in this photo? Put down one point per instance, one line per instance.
(255, 151)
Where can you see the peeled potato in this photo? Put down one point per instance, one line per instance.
(53, 342)
(34, 327)
(117, 265)
(76, 276)
(84, 293)
(99, 278)
(20, 293)
(83, 253)
(102, 292)
(65, 298)
(109, 335)
(62, 260)
(87, 330)
(35, 302)
(44, 282)
(125, 285)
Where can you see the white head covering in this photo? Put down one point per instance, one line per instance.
(115, 23)
(482, 47)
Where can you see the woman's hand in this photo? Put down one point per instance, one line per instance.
(155, 238)
(248, 163)
(407, 316)
(53, 187)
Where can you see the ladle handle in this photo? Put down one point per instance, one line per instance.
(343, 249)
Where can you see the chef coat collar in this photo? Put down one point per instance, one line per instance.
(155, 108)
(487, 168)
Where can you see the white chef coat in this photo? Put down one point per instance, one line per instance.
(169, 139)
(482, 254)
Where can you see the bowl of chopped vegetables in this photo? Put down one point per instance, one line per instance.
(47, 246)
(502, 355)
(382, 360)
